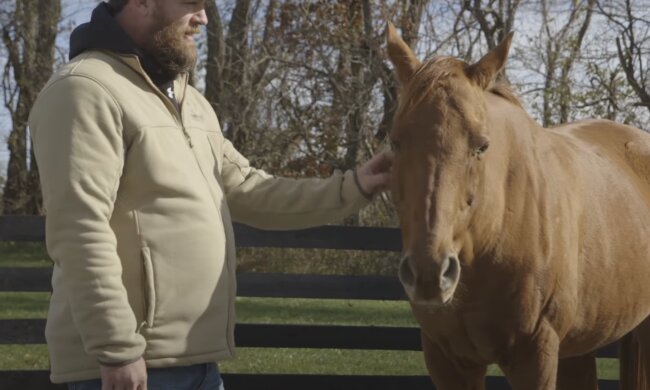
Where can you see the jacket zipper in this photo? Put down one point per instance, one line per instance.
(179, 119)
(187, 136)
(135, 63)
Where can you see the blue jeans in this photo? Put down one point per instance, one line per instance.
(196, 377)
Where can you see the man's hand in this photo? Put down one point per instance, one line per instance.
(132, 376)
(374, 175)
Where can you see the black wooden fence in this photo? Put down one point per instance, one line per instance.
(30, 331)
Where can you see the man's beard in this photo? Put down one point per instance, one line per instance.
(173, 53)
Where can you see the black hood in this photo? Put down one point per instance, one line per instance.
(104, 33)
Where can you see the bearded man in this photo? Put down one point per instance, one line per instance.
(140, 190)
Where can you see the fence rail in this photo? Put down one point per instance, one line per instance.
(30, 331)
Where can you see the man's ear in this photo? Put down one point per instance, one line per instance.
(484, 72)
(141, 7)
(400, 54)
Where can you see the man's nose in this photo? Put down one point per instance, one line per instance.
(201, 18)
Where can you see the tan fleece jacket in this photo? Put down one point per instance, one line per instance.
(139, 203)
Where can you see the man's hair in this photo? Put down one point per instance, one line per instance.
(116, 5)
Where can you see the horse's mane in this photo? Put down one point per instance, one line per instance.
(504, 90)
(437, 70)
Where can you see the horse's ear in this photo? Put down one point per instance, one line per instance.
(400, 54)
(485, 70)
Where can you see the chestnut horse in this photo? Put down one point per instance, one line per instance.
(523, 246)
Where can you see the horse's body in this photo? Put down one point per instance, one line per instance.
(532, 254)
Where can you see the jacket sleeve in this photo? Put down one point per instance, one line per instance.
(77, 135)
(269, 202)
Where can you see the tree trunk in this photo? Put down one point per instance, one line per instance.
(29, 41)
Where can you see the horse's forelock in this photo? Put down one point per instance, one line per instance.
(433, 77)
(424, 83)
(435, 73)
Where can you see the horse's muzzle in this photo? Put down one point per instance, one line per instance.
(429, 282)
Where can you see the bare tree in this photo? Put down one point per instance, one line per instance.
(412, 12)
(632, 44)
(29, 40)
(495, 18)
(237, 61)
(553, 55)
(302, 88)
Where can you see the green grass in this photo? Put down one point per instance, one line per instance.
(23, 305)
(322, 311)
(350, 362)
(325, 361)
(23, 254)
(23, 357)
(254, 310)
(257, 310)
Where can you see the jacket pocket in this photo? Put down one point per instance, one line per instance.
(149, 287)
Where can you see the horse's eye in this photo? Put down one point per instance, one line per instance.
(483, 148)
(394, 145)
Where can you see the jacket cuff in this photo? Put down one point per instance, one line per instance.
(119, 364)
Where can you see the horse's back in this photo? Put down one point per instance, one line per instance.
(616, 143)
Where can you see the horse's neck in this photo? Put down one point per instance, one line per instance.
(521, 195)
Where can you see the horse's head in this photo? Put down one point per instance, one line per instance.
(441, 142)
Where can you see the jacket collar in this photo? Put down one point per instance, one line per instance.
(104, 33)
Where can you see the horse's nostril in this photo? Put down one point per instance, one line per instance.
(449, 272)
(451, 269)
